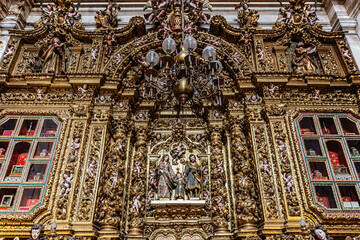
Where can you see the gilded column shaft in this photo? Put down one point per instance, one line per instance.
(137, 195)
(218, 182)
(244, 187)
(113, 181)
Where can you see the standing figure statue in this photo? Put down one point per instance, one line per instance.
(193, 177)
(303, 62)
(164, 178)
(107, 18)
(54, 56)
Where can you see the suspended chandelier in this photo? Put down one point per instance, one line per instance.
(192, 79)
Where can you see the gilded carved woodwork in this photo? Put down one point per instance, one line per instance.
(253, 179)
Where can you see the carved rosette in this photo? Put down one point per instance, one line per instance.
(219, 199)
(111, 194)
(244, 187)
(137, 191)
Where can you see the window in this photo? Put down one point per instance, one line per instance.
(27, 146)
(330, 145)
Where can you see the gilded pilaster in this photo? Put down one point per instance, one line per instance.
(286, 174)
(264, 163)
(219, 198)
(137, 185)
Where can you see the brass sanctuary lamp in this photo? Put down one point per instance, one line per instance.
(192, 79)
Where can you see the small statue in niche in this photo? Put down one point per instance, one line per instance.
(354, 151)
(193, 179)
(2, 152)
(317, 174)
(38, 176)
(37, 232)
(180, 182)
(54, 56)
(303, 62)
(44, 153)
(311, 152)
(107, 18)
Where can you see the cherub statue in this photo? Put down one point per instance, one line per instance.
(166, 29)
(137, 169)
(260, 53)
(282, 148)
(114, 179)
(346, 53)
(136, 206)
(71, 16)
(220, 166)
(10, 51)
(140, 42)
(246, 39)
(286, 15)
(265, 167)
(48, 14)
(236, 57)
(309, 15)
(109, 44)
(66, 184)
(83, 91)
(91, 168)
(289, 183)
(37, 232)
(118, 58)
(178, 153)
(143, 62)
(93, 53)
(272, 88)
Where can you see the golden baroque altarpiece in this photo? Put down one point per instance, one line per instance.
(237, 171)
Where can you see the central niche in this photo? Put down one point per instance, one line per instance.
(178, 162)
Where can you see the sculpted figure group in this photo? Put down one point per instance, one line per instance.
(186, 185)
